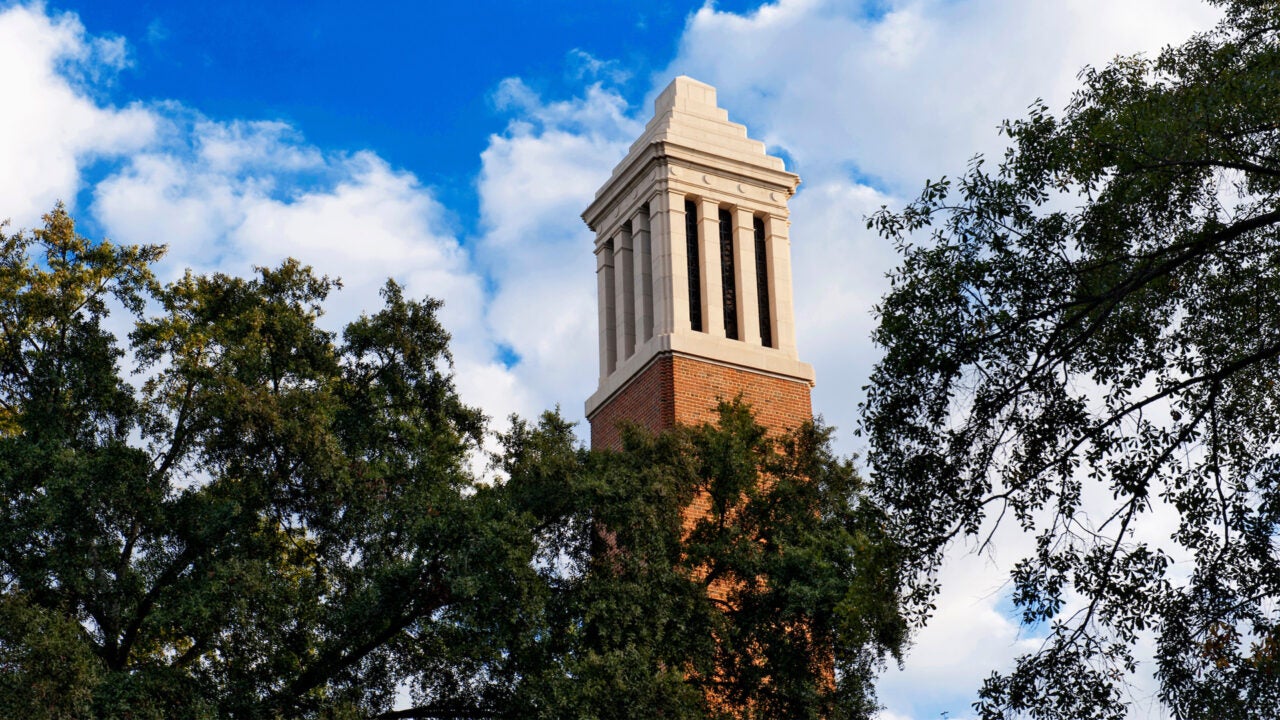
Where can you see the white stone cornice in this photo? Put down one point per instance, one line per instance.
(730, 353)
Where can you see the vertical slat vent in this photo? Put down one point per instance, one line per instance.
(762, 284)
(695, 267)
(728, 278)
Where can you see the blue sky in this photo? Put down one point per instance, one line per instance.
(408, 80)
(453, 145)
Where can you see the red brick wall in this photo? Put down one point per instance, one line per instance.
(649, 401)
(679, 389)
(700, 387)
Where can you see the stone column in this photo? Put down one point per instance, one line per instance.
(778, 245)
(643, 260)
(744, 240)
(660, 262)
(624, 293)
(670, 263)
(604, 302)
(712, 292)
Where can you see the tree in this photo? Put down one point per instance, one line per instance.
(781, 601)
(274, 523)
(261, 528)
(1088, 344)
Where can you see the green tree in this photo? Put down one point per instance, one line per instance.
(1088, 344)
(274, 523)
(633, 626)
(261, 528)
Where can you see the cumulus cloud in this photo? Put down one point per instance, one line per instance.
(585, 66)
(914, 91)
(536, 178)
(229, 196)
(867, 105)
(51, 127)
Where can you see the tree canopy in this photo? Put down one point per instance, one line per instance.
(235, 513)
(1085, 341)
(781, 601)
(254, 529)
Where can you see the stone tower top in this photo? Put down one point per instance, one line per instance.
(687, 111)
(685, 115)
(693, 250)
(686, 93)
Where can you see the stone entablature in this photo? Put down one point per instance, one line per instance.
(691, 158)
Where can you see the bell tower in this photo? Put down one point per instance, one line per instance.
(693, 270)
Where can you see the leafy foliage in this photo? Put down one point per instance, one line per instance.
(246, 533)
(274, 523)
(1088, 345)
(779, 601)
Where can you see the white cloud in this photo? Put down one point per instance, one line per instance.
(231, 196)
(867, 107)
(239, 146)
(839, 268)
(967, 638)
(536, 178)
(586, 66)
(50, 129)
(228, 195)
(914, 92)
(885, 101)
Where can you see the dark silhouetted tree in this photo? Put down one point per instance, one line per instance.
(1086, 342)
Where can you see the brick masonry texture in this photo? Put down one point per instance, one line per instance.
(677, 389)
(648, 401)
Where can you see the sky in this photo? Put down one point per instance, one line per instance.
(453, 146)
